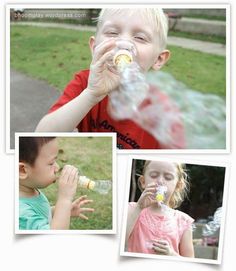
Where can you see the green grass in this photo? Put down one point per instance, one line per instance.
(203, 72)
(93, 157)
(206, 17)
(55, 54)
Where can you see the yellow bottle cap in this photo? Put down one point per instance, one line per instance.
(91, 185)
(122, 58)
(159, 197)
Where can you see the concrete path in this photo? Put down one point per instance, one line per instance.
(30, 100)
(197, 45)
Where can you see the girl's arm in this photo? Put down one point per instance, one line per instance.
(186, 244)
(133, 214)
(146, 199)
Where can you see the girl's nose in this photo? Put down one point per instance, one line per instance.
(160, 180)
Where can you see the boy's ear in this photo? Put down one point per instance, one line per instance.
(92, 43)
(161, 60)
(23, 171)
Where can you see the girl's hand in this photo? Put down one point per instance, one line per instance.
(77, 210)
(67, 183)
(147, 198)
(101, 80)
(162, 247)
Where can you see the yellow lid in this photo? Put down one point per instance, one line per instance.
(122, 58)
(159, 197)
(91, 185)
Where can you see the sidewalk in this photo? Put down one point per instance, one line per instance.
(197, 45)
(30, 100)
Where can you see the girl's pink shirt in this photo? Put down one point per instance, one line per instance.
(152, 226)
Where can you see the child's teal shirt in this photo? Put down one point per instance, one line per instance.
(34, 213)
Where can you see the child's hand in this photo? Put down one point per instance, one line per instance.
(77, 209)
(147, 198)
(101, 80)
(163, 247)
(67, 183)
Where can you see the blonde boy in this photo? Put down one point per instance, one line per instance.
(83, 105)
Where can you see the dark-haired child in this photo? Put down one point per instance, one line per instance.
(37, 169)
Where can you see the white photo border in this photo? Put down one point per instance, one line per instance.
(203, 162)
(114, 184)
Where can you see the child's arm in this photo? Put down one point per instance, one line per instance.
(133, 214)
(146, 199)
(67, 117)
(67, 185)
(186, 244)
(101, 81)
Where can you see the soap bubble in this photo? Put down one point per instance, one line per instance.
(143, 99)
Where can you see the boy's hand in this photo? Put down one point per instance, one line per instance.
(67, 183)
(147, 198)
(77, 209)
(101, 80)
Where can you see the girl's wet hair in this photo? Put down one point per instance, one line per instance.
(29, 148)
(182, 186)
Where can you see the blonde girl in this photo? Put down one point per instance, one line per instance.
(156, 228)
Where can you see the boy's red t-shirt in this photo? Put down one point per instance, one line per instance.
(129, 134)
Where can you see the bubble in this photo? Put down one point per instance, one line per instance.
(212, 227)
(203, 116)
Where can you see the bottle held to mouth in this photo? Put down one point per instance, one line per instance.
(133, 88)
(161, 194)
(124, 54)
(100, 186)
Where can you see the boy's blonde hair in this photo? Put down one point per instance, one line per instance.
(156, 17)
(182, 186)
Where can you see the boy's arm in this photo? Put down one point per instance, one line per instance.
(67, 185)
(67, 117)
(61, 217)
(101, 81)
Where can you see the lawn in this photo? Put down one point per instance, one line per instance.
(93, 157)
(55, 54)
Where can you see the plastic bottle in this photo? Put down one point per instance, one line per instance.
(123, 55)
(100, 186)
(160, 193)
(125, 100)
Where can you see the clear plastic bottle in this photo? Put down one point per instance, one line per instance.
(100, 186)
(133, 88)
(161, 193)
(125, 54)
